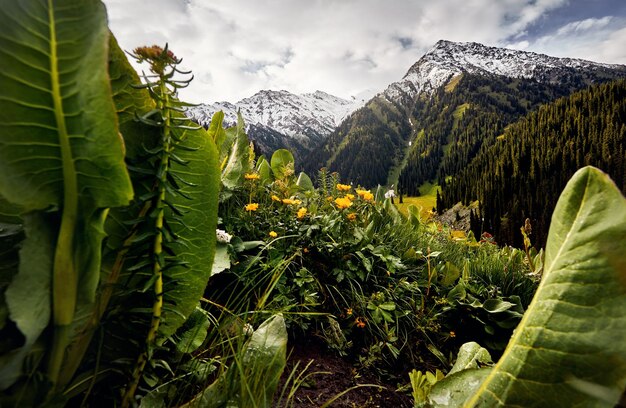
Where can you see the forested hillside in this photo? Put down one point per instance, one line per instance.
(520, 175)
(365, 146)
(471, 111)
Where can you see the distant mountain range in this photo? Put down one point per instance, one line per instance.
(280, 119)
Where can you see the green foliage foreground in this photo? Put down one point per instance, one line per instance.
(110, 294)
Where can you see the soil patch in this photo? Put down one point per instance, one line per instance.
(329, 375)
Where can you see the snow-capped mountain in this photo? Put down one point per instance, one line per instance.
(281, 119)
(448, 59)
(307, 117)
(372, 144)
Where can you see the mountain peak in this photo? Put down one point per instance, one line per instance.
(310, 115)
(447, 59)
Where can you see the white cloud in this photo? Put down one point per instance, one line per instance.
(238, 47)
(584, 25)
(595, 39)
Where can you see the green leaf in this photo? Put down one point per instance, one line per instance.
(415, 218)
(455, 389)
(458, 292)
(304, 182)
(252, 382)
(61, 151)
(282, 163)
(217, 133)
(9, 212)
(58, 129)
(196, 227)
(573, 328)
(196, 244)
(221, 262)
(471, 355)
(11, 237)
(28, 296)
(497, 305)
(193, 333)
(450, 273)
(264, 170)
(239, 157)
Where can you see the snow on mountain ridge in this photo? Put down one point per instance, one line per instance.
(448, 59)
(306, 116)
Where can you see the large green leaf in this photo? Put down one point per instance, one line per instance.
(195, 246)
(60, 151)
(58, 129)
(282, 163)
(573, 331)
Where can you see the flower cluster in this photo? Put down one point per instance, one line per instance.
(365, 194)
(343, 202)
(251, 176)
(343, 187)
(157, 57)
(290, 201)
(223, 237)
(301, 213)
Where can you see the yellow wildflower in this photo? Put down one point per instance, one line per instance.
(365, 194)
(349, 311)
(452, 334)
(343, 202)
(305, 250)
(276, 198)
(329, 198)
(273, 234)
(360, 322)
(251, 176)
(290, 201)
(343, 187)
(251, 207)
(301, 213)
(351, 216)
(350, 196)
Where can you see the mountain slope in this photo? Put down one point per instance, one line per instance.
(412, 127)
(521, 174)
(280, 119)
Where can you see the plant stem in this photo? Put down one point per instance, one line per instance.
(157, 250)
(64, 273)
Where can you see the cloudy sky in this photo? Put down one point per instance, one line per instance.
(238, 47)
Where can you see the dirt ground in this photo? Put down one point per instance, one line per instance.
(319, 388)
